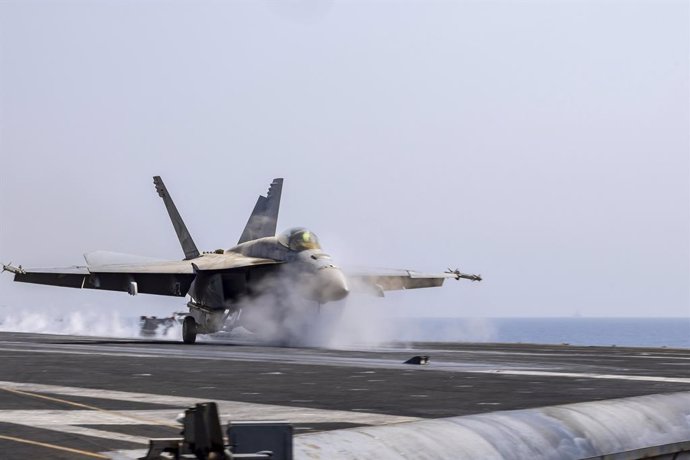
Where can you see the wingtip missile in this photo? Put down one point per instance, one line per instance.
(457, 274)
(9, 268)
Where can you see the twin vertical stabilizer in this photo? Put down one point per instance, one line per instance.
(186, 241)
(264, 218)
(261, 223)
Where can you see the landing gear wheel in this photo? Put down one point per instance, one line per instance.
(189, 330)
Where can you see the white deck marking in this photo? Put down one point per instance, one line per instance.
(326, 358)
(470, 368)
(83, 417)
(585, 375)
(125, 454)
(235, 410)
(69, 421)
(83, 431)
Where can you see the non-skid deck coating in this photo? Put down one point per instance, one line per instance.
(94, 395)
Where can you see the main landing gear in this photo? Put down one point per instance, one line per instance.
(189, 330)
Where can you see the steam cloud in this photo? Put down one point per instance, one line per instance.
(77, 322)
(282, 316)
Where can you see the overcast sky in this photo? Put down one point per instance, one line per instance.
(544, 145)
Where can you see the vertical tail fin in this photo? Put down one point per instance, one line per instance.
(264, 218)
(186, 241)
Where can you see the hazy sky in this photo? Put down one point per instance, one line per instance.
(544, 145)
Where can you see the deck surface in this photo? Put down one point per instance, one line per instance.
(96, 395)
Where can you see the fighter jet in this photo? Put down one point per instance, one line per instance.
(217, 283)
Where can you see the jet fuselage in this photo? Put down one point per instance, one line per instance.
(317, 276)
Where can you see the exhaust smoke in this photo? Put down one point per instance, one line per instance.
(283, 316)
(108, 323)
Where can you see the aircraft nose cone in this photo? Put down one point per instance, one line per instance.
(332, 285)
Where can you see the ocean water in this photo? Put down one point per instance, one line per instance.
(632, 332)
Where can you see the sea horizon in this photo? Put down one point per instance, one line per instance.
(668, 332)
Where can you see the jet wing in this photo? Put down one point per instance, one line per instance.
(65, 277)
(378, 281)
(206, 262)
(171, 278)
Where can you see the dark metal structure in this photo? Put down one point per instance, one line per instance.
(202, 438)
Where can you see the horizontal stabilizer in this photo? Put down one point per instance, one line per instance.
(264, 218)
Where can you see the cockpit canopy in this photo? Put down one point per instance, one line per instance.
(299, 239)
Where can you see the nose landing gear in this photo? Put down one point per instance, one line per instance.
(189, 330)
